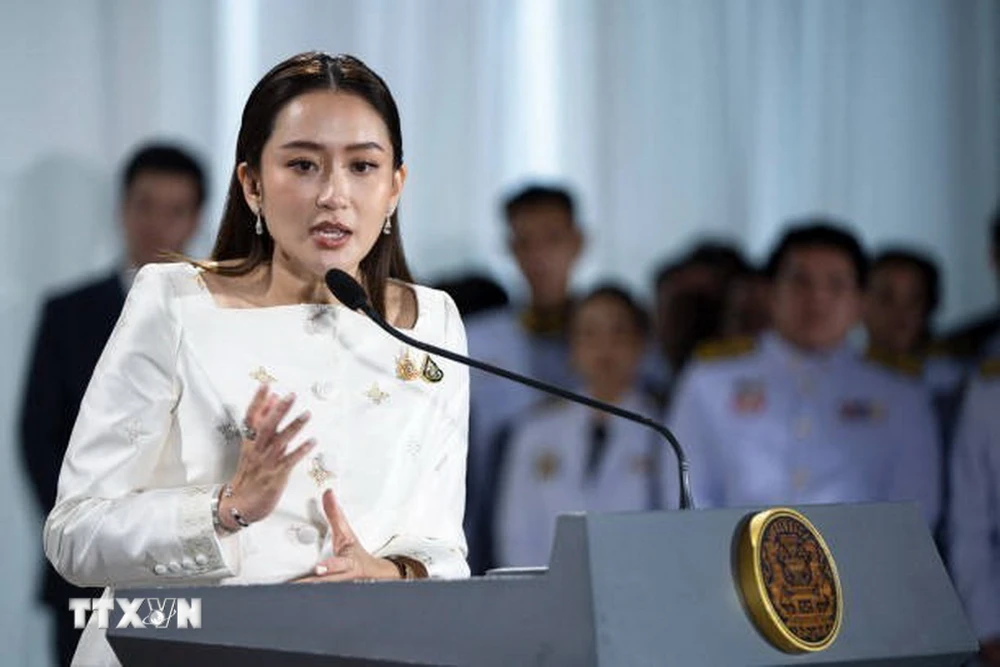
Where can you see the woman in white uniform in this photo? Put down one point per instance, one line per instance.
(243, 427)
(563, 457)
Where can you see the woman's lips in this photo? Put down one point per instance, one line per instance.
(330, 236)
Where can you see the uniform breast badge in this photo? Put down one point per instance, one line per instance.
(789, 581)
(406, 369)
(749, 397)
(861, 410)
(642, 465)
(546, 466)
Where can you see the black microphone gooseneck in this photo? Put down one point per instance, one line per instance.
(347, 290)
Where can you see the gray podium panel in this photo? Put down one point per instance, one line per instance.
(623, 590)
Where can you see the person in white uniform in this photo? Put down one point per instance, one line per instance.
(974, 554)
(796, 416)
(244, 428)
(529, 338)
(564, 457)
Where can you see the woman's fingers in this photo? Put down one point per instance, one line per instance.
(337, 568)
(335, 565)
(341, 532)
(257, 403)
(285, 435)
(289, 460)
(269, 424)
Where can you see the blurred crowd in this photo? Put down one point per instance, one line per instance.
(813, 378)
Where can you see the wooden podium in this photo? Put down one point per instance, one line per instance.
(622, 590)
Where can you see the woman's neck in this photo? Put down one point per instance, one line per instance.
(285, 283)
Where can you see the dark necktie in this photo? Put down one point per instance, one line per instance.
(598, 443)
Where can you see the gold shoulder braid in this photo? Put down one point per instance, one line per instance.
(550, 323)
(725, 348)
(941, 347)
(990, 369)
(901, 363)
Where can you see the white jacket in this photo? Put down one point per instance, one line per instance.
(158, 432)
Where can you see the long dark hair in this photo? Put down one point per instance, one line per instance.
(238, 246)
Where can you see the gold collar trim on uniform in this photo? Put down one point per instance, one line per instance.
(546, 322)
(908, 364)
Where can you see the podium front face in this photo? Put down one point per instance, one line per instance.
(623, 590)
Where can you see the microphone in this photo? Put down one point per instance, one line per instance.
(348, 292)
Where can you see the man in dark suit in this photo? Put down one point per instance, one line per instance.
(980, 337)
(163, 190)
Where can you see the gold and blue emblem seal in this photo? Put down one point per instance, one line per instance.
(789, 581)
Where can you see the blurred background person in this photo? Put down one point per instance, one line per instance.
(162, 193)
(899, 304)
(974, 523)
(979, 338)
(689, 296)
(545, 240)
(797, 416)
(746, 307)
(474, 293)
(564, 457)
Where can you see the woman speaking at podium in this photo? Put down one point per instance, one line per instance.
(241, 426)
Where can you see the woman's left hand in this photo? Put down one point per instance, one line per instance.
(350, 561)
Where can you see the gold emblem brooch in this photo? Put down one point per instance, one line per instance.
(431, 371)
(407, 370)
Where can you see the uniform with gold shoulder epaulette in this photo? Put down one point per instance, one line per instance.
(511, 339)
(765, 424)
(974, 515)
(559, 461)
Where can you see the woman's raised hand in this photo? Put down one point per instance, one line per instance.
(265, 460)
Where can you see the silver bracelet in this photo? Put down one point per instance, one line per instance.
(226, 491)
(238, 518)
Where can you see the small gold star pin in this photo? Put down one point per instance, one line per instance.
(318, 470)
(261, 375)
(406, 369)
(375, 394)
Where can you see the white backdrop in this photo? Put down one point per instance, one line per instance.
(671, 118)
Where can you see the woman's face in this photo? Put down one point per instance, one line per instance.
(605, 344)
(326, 182)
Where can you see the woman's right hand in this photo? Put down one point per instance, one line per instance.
(265, 462)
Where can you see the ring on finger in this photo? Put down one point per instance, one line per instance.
(248, 431)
